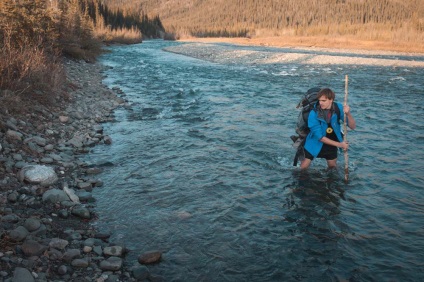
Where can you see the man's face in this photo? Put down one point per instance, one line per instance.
(325, 103)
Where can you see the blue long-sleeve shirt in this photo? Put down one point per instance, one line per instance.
(318, 127)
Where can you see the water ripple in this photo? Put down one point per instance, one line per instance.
(202, 170)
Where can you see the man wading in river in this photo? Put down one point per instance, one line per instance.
(325, 134)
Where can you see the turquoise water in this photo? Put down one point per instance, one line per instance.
(202, 171)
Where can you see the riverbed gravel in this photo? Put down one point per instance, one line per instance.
(46, 198)
(227, 54)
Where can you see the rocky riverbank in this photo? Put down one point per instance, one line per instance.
(45, 189)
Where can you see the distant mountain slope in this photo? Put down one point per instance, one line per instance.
(277, 17)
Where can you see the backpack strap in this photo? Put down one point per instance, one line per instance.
(299, 152)
(337, 111)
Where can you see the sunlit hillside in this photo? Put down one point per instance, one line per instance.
(378, 20)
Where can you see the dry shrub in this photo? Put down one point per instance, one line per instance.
(29, 73)
(88, 49)
(76, 34)
(181, 33)
(121, 35)
(11, 103)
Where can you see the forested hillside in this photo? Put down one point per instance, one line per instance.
(366, 19)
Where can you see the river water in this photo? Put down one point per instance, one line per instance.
(202, 170)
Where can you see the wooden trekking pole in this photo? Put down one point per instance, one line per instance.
(346, 155)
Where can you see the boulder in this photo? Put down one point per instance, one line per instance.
(14, 135)
(33, 248)
(40, 141)
(85, 196)
(111, 264)
(71, 254)
(22, 275)
(32, 224)
(150, 257)
(55, 196)
(116, 251)
(11, 218)
(81, 212)
(18, 234)
(38, 174)
(64, 119)
(58, 243)
(81, 263)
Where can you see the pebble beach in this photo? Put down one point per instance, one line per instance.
(223, 53)
(46, 190)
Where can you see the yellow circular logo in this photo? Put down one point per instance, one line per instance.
(329, 130)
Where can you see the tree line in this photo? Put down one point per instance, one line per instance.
(119, 18)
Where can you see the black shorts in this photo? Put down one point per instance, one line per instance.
(327, 152)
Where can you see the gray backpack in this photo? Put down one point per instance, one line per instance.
(306, 104)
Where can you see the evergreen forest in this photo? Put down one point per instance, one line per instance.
(401, 20)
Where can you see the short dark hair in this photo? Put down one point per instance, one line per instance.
(328, 93)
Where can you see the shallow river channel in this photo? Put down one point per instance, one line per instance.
(201, 169)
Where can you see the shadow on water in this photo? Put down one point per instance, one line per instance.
(313, 207)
